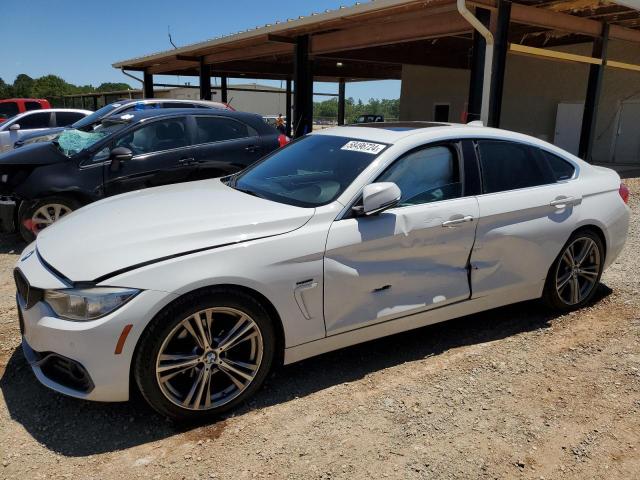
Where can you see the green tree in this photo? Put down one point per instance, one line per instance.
(6, 90)
(113, 86)
(23, 86)
(51, 86)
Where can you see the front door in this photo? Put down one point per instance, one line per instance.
(224, 145)
(162, 154)
(407, 259)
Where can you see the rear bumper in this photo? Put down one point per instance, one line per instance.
(7, 215)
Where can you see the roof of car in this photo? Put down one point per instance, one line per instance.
(137, 115)
(390, 132)
(50, 110)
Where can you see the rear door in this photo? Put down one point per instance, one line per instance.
(162, 154)
(407, 259)
(527, 212)
(224, 145)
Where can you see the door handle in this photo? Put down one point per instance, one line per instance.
(187, 161)
(252, 148)
(562, 202)
(457, 221)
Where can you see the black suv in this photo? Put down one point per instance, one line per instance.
(140, 149)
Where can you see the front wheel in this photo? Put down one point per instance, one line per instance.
(574, 276)
(35, 216)
(205, 354)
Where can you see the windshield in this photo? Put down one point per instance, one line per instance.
(309, 172)
(88, 121)
(73, 141)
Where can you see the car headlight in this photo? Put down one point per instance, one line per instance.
(82, 304)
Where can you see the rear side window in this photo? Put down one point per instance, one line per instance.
(562, 169)
(35, 120)
(32, 106)
(425, 175)
(64, 119)
(8, 109)
(219, 129)
(509, 166)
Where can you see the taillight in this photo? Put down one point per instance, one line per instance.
(624, 193)
(283, 140)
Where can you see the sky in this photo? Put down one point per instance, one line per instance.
(79, 40)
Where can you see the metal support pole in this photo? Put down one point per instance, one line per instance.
(501, 46)
(303, 96)
(224, 98)
(147, 85)
(205, 80)
(474, 105)
(341, 91)
(288, 109)
(594, 86)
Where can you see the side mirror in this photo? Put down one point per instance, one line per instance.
(15, 127)
(377, 197)
(118, 155)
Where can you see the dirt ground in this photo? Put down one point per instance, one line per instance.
(516, 392)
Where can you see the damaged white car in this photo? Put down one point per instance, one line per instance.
(196, 290)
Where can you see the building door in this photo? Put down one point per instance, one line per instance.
(627, 140)
(568, 126)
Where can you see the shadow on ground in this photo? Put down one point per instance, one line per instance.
(79, 428)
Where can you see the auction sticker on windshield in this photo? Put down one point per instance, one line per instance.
(365, 147)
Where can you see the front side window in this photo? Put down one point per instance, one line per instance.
(36, 120)
(510, 166)
(426, 175)
(156, 137)
(311, 171)
(219, 129)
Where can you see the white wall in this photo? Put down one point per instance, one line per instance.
(533, 89)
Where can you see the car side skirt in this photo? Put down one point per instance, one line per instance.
(410, 322)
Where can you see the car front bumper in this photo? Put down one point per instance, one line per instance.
(79, 359)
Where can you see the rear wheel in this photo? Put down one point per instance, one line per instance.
(574, 276)
(205, 354)
(35, 216)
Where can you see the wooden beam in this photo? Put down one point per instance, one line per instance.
(421, 26)
(552, 54)
(263, 50)
(554, 20)
(188, 58)
(280, 39)
(569, 23)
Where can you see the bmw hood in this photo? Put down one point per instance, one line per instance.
(149, 225)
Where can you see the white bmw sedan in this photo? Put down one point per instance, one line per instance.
(195, 291)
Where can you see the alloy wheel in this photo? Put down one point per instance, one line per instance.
(209, 358)
(578, 270)
(46, 215)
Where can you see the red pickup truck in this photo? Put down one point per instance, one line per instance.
(14, 106)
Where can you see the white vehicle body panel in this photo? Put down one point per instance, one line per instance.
(318, 270)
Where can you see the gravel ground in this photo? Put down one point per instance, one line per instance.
(516, 392)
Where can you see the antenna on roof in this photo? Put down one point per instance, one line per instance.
(170, 39)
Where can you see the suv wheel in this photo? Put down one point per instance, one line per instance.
(35, 216)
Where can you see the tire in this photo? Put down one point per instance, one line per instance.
(179, 393)
(566, 270)
(54, 207)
